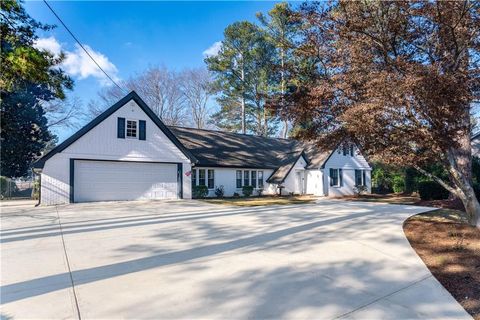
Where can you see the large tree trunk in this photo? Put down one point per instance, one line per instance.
(243, 101)
(460, 169)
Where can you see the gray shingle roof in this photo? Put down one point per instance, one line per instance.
(226, 149)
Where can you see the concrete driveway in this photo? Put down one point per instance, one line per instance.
(332, 259)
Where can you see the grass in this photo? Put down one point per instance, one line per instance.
(261, 201)
(450, 248)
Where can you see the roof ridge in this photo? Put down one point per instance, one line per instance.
(234, 133)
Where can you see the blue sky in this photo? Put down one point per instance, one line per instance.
(127, 37)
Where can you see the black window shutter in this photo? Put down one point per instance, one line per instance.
(143, 127)
(340, 173)
(121, 128)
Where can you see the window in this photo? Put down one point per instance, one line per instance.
(359, 178)
(351, 150)
(211, 179)
(336, 179)
(194, 177)
(260, 179)
(239, 179)
(345, 149)
(132, 128)
(254, 179)
(201, 177)
(245, 178)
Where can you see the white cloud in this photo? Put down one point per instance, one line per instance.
(213, 50)
(78, 64)
(49, 44)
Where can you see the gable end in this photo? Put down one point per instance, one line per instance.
(39, 164)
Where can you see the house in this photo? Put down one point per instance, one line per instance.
(476, 145)
(127, 153)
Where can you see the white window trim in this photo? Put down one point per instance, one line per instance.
(196, 181)
(250, 178)
(338, 177)
(136, 130)
(206, 178)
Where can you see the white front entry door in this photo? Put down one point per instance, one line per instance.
(111, 180)
(300, 182)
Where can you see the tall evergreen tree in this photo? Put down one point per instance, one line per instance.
(28, 77)
(281, 28)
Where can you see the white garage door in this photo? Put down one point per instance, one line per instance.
(105, 180)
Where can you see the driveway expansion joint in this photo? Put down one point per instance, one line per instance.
(68, 265)
(343, 315)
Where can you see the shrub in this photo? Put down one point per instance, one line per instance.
(398, 184)
(260, 192)
(247, 191)
(236, 195)
(219, 192)
(358, 190)
(36, 189)
(199, 191)
(430, 190)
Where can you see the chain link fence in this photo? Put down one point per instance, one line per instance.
(11, 189)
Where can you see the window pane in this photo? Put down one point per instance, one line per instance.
(364, 181)
(351, 150)
(254, 179)
(345, 150)
(211, 177)
(245, 178)
(131, 128)
(239, 178)
(358, 177)
(194, 177)
(201, 177)
(334, 177)
(260, 179)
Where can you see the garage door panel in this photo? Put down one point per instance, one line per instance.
(108, 180)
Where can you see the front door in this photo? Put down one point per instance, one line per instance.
(301, 181)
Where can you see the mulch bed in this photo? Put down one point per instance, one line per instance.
(451, 250)
(447, 203)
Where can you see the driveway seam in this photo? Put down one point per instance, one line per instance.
(382, 297)
(68, 265)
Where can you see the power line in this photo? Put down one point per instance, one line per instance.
(81, 45)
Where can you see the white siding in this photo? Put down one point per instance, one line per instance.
(101, 142)
(226, 177)
(348, 164)
(292, 183)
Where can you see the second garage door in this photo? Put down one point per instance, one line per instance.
(109, 180)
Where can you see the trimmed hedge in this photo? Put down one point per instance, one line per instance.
(430, 190)
(199, 191)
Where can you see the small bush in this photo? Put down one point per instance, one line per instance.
(358, 190)
(398, 184)
(260, 192)
(430, 190)
(199, 191)
(36, 190)
(247, 191)
(236, 195)
(219, 192)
